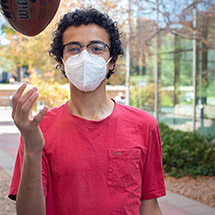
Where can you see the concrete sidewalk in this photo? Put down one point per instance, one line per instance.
(171, 204)
(9, 140)
(174, 204)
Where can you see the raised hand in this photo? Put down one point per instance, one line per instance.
(26, 122)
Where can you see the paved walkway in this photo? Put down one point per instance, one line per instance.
(171, 204)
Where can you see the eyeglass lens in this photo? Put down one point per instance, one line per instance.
(93, 48)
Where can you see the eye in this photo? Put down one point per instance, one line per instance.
(72, 49)
(96, 48)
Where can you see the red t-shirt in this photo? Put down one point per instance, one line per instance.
(98, 167)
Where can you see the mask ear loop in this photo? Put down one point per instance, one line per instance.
(61, 68)
(63, 61)
(109, 72)
(109, 60)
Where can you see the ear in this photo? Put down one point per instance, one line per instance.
(62, 64)
(62, 67)
(111, 64)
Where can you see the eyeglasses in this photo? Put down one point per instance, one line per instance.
(94, 48)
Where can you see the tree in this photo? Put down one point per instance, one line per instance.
(175, 17)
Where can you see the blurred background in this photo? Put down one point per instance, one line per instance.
(168, 68)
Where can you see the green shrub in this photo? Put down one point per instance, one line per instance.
(166, 101)
(142, 97)
(50, 90)
(186, 153)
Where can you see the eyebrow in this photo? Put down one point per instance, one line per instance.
(96, 41)
(71, 43)
(78, 43)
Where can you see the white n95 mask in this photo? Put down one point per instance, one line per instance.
(86, 72)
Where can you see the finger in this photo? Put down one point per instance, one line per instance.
(25, 97)
(27, 106)
(16, 97)
(40, 115)
(23, 100)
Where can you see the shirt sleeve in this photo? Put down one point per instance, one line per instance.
(153, 185)
(14, 186)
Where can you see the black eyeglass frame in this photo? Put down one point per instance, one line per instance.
(81, 46)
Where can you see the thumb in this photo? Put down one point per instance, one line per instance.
(40, 115)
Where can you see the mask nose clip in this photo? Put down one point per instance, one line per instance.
(88, 54)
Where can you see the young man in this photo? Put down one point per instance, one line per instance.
(96, 157)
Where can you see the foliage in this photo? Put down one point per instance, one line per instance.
(166, 101)
(6, 64)
(186, 153)
(26, 51)
(8, 29)
(118, 78)
(143, 97)
(50, 91)
(138, 24)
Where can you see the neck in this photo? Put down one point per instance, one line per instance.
(90, 105)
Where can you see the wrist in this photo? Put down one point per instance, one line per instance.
(33, 154)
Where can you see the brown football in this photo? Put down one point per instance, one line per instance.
(29, 17)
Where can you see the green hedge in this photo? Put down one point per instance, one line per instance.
(186, 153)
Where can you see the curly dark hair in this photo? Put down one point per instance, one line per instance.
(86, 16)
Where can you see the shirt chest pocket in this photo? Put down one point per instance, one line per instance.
(124, 167)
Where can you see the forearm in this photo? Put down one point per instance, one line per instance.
(150, 207)
(30, 198)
